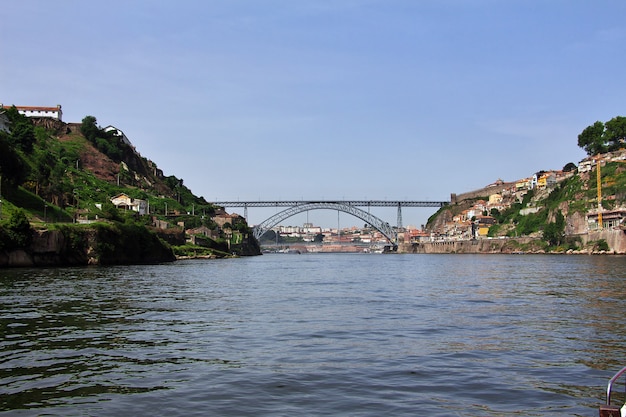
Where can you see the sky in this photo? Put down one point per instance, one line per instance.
(254, 100)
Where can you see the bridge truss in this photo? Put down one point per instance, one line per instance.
(346, 206)
(374, 221)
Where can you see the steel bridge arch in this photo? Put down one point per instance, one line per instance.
(378, 224)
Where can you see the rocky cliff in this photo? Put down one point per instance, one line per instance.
(92, 245)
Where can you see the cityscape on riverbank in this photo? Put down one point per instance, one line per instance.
(312, 238)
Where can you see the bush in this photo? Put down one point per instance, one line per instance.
(129, 243)
(16, 233)
(530, 223)
(601, 245)
(553, 233)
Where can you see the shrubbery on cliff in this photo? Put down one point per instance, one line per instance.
(129, 243)
(15, 233)
(113, 243)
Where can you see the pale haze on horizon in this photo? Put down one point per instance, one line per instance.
(342, 99)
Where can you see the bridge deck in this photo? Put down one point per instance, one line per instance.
(356, 203)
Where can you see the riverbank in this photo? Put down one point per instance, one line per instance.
(615, 241)
(96, 244)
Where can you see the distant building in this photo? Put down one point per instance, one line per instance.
(414, 235)
(36, 111)
(118, 133)
(495, 202)
(485, 220)
(524, 184)
(124, 202)
(483, 223)
(4, 123)
(203, 231)
(222, 218)
(610, 219)
(586, 166)
(199, 235)
(547, 180)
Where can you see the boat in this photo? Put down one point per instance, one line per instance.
(287, 250)
(607, 409)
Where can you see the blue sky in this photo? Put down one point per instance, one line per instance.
(333, 99)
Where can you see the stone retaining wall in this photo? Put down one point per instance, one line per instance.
(615, 238)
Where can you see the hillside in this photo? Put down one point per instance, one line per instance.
(54, 173)
(558, 210)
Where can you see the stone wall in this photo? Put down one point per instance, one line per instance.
(616, 240)
(483, 192)
(506, 245)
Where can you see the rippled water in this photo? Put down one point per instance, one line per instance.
(284, 335)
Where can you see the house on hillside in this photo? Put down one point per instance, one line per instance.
(198, 235)
(118, 134)
(4, 123)
(415, 235)
(524, 184)
(547, 180)
(586, 165)
(494, 199)
(124, 202)
(203, 231)
(495, 202)
(222, 218)
(610, 219)
(37, 111)
(482, 225)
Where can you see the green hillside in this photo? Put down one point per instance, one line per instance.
(54, 173)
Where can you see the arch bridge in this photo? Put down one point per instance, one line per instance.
(347, 206)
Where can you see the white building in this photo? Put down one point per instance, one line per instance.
(118, 133)
(37, 111)
(123, 201)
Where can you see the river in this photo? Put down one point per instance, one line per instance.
(315, 334)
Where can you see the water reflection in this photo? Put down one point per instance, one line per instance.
(461, 335)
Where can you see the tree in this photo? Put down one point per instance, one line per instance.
(89, 128)
(44, 162)
(18, 230)
(110, 212)
(12, 166)
(570, 166)
(615, 133)
(553, 232)
(591, 139)
(105, 142)
(22, 134)
(603, 137)
(173, 182)
(495, 213)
